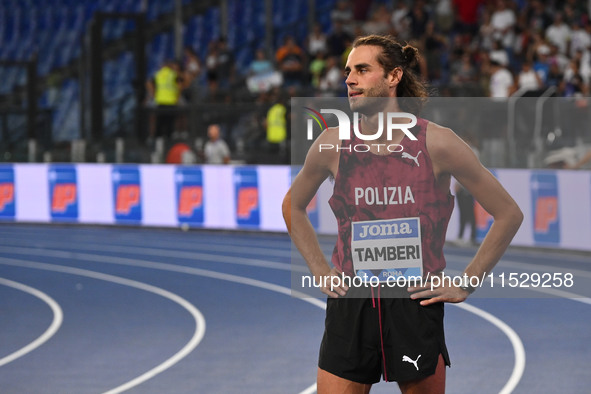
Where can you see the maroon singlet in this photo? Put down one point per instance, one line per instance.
(387, 172)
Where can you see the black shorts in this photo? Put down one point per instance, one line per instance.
(410, 335)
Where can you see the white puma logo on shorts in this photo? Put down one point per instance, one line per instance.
(410, 360)
(406, 155)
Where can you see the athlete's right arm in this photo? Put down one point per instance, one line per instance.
(318, 166)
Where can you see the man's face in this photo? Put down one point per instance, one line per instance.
(365, 78)
(213, 132)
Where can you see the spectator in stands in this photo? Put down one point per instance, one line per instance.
(276, 126)
(444, 15)
(503, 21)
(501, 80)
(260, 65)
(524, 40)
(331, 82)
(528, 79)
(211, 60)
(262, 75)
(499, 54)
(360, 9)
(192, 71)
(418, 18)
(463, 72)
(291, 60)
(220, 63)
(558, 33)
(584, 59)
(192, 64)
(467, 16)
(337, 40)
(580, 39)
(165, 89)
(342, 14)
(572, 83)
(317, 41)
(316, 69)
(542, 65)
(538, 18)
(216, 151)
(558, 58)
(570, 15)
(379, 22)
(581, 9)
(420, 67)
(494, 123)
(555, 77)
(434, 45)
(486, 32)
(399, 20)
(225, 64)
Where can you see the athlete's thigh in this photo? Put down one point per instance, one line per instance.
(434, 384)
(328, 383)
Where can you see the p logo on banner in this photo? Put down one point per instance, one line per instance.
(127, 194)
(544, 194)
(246, 186)
(189, 195)
(63, 193)
(7, 198)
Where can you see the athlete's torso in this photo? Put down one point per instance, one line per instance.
(371, 187)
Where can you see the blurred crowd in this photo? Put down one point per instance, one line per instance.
(483, 48)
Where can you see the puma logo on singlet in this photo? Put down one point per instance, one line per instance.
(406, 155)
(410, 360)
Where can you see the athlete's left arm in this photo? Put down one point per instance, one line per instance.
(451, 156)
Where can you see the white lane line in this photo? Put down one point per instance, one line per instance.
(517, 345)
(518, 349)
(242, 261)
(194, 256)
(56, 322)
(264, 247)
(195, 313)
(554, 292)
(182, 247)
(310, 390)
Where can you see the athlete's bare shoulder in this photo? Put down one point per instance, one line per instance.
(449, 153)
(324, 152)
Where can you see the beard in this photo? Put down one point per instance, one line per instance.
(373, 101)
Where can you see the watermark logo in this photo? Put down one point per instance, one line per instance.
(387, 123)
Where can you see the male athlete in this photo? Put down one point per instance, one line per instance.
(399, 338)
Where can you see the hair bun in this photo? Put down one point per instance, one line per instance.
(411, 55)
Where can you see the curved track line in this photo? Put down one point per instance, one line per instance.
(310, 390)
(234, 260)
(58, 317)
(197, 316)
(556, 292)
(518, 349)
(513, 337)
(171, 246)
(152, 252)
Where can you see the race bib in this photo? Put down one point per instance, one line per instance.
(387, 248)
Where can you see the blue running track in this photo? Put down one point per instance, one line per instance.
(108, 310)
